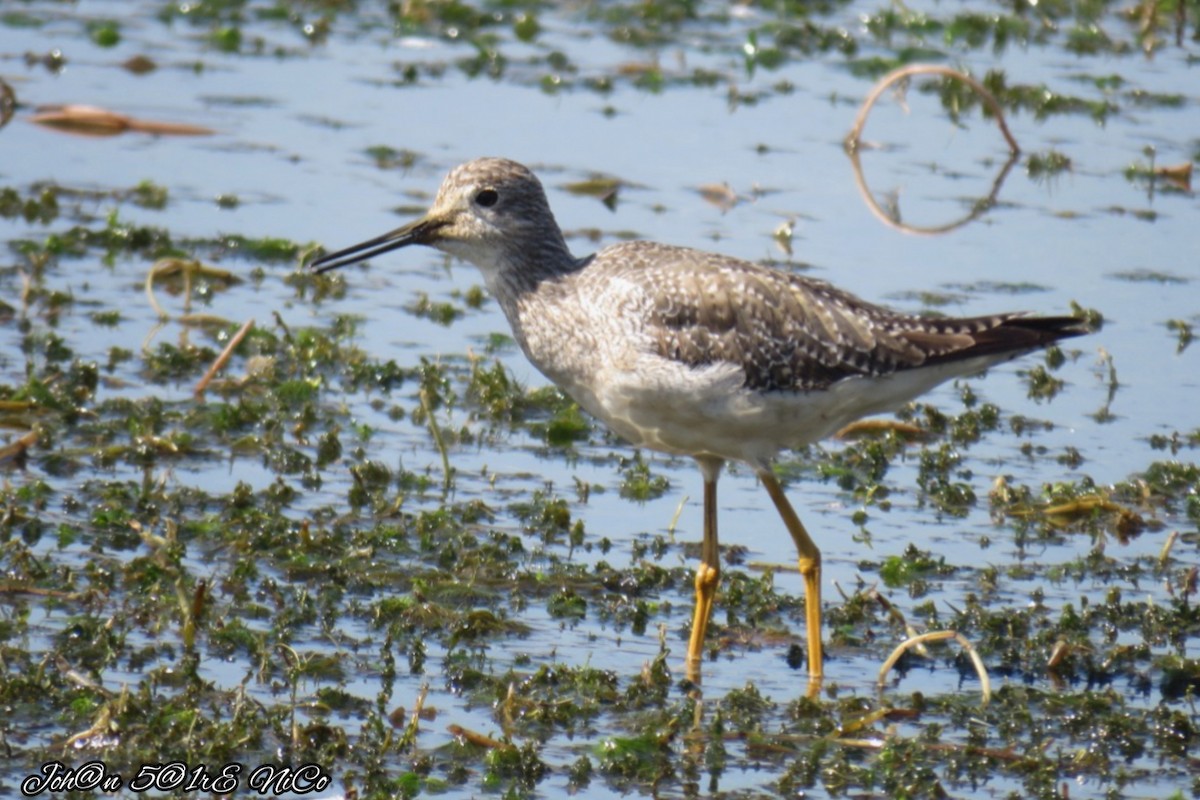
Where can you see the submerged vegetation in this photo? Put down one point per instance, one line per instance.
(404, 569)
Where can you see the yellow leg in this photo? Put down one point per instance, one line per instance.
(810, 571)
(708, 574)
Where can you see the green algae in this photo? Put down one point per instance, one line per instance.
(146, 576)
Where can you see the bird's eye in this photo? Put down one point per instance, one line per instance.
(487, 197)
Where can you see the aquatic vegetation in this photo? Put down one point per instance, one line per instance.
(383, 547)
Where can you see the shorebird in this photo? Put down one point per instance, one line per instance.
(698, 354)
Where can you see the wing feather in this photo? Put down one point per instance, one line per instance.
(791, 332)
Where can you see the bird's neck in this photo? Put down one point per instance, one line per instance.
(530, 269)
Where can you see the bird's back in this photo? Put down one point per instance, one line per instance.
(790, 332)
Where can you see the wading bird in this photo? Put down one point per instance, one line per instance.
(698, 354)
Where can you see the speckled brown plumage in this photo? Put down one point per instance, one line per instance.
(788, 332)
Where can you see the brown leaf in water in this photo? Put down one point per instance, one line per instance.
(1178, 174)
(478, 739)
(720, 195)
(94, 121)
(86, 120)
(867, 428)
(139, 64)
(635, 68)
(604, 189)
(15, 451)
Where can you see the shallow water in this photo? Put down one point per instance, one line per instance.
(294, 119)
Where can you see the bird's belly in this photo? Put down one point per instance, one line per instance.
(708, 412)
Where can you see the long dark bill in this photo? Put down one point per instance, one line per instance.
(418, 232)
